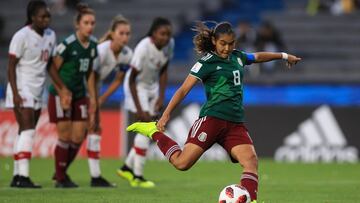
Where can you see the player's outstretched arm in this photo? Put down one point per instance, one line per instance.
(261, 57)
(179, 95)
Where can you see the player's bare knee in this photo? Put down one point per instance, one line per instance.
(77, 139)
(182, 165)
(28, 124)
(65, 137)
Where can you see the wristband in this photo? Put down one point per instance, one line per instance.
(284, 56)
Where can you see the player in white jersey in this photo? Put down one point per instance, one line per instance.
(114, 55)
(144, 88)
(30, 54)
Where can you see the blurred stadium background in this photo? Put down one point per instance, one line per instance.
(310, 113)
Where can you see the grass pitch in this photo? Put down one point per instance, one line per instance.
(279, 183)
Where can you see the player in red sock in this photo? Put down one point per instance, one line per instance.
(221, 119)
(74, 61)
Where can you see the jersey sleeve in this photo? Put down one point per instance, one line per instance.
(62, 50)
(94, 53)
(138, 57)
(53, 48)
(97, 64)
(246, 58)
(199, 71)
(100, 60)
(17, 45)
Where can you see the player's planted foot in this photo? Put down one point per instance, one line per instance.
(100, 182)
(66, 183)
(14, 181)
(140, 181)
(144, 128)
(66, 177)
(126, 173)
(26, 182)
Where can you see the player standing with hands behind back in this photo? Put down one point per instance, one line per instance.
(30, 54)
(74, 61)
(144, 88)
(221, 118)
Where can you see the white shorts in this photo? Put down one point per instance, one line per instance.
(147, 99)
(29, 101)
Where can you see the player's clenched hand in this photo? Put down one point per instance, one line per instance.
(159, 104)
(65, 98)
(143, 116)
(162, 122)
(101, 100)
(18, 101)
(292, 60)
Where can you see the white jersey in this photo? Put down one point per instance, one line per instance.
(149, 61)
(33, 52)
(109, 62)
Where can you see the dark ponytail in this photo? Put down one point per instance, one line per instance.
(32, 9)
(158, 22)
(83, 9)
(203, 38)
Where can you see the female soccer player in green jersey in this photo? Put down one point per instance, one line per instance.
(74, 60)
(221, 118)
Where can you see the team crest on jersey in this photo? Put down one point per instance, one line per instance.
(196, 67)
(202, 137)
(92, 52)
(240, 62)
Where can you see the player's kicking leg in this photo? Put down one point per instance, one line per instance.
(180, 159)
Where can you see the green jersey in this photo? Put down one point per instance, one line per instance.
(77, 63)
(222, 79)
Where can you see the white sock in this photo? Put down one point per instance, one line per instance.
(24, 148)
(129, 162)
(94, 166)
(141, 145)
(16, 162)
(93, 148)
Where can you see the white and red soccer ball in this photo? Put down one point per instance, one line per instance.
(234, 194)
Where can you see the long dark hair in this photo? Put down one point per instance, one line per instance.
(32, 8)
(158, 22)
(203, 38)
(83, 9)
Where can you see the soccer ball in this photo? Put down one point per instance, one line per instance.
(234, 194)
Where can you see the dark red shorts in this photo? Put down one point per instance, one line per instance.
(78, 111)
(208, 130)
